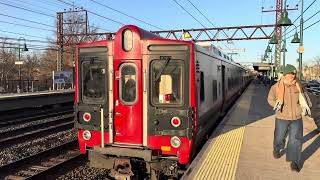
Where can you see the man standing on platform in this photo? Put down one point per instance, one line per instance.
(287, 97)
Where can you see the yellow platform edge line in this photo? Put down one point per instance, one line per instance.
(211, 153)
(214, 160)
(216, 150)
(234, 164)
(219, 162)
(222, 158)
(229, 156)
(238, 155)
(212, 156)
(224, 168)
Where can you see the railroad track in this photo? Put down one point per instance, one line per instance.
(19, 135)
(31, 112)
(43, 115)
(43, 164)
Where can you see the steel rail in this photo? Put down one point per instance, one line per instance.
(9, 141)
(31, 163)
(39, 116)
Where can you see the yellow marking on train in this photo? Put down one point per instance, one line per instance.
(166, 148)
(222, 159)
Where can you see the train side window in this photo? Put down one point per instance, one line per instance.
(214, 90)
(202, 86)
(128, 83)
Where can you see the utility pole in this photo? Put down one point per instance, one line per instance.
(66, 21)
(60, 40)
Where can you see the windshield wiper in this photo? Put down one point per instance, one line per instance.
(161, 71)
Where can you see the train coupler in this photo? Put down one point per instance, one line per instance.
(122, 169)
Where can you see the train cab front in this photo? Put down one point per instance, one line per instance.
(91, 93)
(134, 103)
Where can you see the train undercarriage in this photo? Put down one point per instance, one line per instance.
(135, 164)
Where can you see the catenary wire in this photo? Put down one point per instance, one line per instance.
(137, 19)
(101, 16)
(26, 20)
(195, 18)
(16, 24)
(26, 9)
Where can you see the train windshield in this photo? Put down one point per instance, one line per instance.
(93, 74)
(166, 81)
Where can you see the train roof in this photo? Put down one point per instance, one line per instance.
(213, 51)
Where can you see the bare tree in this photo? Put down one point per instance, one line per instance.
(31, 66)
(76, 25)
(8, 68)
(317, 67)
(72, 26)
(48, 63)
(317, 60)
(312, 69)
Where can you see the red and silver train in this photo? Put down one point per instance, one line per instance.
(146, 102)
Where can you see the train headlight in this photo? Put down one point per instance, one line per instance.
(86, 117)
(175, 122)
(127, 40)
(86, 135)
(175, 142)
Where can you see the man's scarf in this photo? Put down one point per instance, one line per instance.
(304, 100)
(280, 89)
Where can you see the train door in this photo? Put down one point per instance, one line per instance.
(128, 102)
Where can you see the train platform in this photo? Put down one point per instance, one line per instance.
(242, 145)
(17, 95)
(35, 99)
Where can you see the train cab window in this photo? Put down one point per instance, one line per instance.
(166, 82)
(93, 74)
(128, 83)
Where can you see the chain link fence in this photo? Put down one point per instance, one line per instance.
(17, 86)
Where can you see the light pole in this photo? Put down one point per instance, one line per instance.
(284, 22)
(283, 49)
(19, 62)
(301, 42)
(269, 50)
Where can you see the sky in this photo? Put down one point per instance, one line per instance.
(167, 15)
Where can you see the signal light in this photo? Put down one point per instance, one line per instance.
(175, 122)
(86, 117)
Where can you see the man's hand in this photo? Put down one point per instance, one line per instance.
(304, 105)
(278, 106)
(306, 111)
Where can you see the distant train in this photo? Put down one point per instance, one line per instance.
(145, 103)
